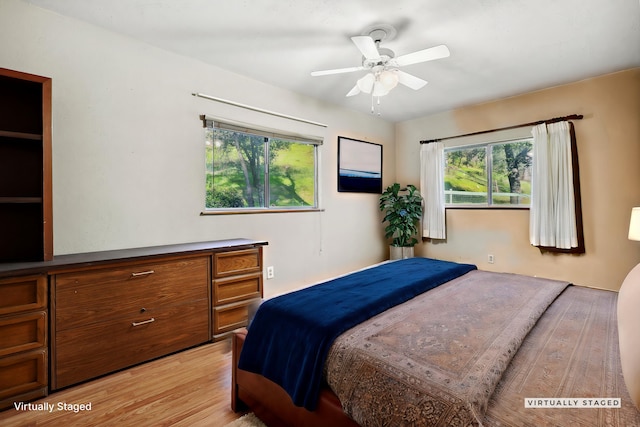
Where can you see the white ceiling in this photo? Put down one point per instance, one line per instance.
(499, 48)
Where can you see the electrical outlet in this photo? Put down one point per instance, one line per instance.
(270, 272)
(490, 259)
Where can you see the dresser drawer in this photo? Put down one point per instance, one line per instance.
(104, 347)
(23, 373)
(232, 316)
(23, 332)
(237, 262)
(232, 289)
(19, 294)
(95, 296)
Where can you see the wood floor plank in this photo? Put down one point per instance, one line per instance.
(190, 388)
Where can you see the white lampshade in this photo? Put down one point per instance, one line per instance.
(634, 224)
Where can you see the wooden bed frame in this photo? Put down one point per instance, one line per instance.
(273, 405)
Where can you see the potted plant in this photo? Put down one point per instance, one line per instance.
(403, 211)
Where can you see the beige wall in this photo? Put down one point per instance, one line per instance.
(128, 160)
(608, 141)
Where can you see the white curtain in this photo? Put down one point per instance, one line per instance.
(432, 190)
(552, 214)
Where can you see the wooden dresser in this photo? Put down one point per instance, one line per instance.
(23, 339)
(105, 319)
(237, 286)
(80, 316)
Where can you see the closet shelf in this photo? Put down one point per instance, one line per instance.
(20, 135)
(11, 200)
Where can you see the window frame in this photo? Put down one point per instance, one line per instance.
(489, 175)
(267, 134)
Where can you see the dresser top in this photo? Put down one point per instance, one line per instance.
(61, 262)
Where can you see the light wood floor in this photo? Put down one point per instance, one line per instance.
(191, 388)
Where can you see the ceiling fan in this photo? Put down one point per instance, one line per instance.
(382, 64)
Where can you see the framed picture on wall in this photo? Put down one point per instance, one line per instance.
(359, 166)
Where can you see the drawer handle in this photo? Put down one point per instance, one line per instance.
(144, 322)
(142, 273)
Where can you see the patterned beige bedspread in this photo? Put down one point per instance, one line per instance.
(436, 360)
(572, 352)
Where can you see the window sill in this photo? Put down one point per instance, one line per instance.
(500, 208)
(257, 211)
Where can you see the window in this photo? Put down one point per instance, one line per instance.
(492, 174)
(248, 169)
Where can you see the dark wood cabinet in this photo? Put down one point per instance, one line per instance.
(26, 223)
(114, 309)
(80, 316)
(23, 339)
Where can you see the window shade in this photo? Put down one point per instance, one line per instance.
(260, 131)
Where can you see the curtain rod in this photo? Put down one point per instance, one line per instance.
(539, 122)
(260, 110)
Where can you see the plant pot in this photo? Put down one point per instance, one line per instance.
(400, 252)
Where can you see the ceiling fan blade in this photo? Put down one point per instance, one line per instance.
(354, 91)
(423, 55)
(367, 46)
(408, 80)
(337, 71)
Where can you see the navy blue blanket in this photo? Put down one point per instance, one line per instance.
(290, 336)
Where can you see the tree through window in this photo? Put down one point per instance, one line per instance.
(492, 174)
(254, 169)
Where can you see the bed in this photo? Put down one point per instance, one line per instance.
(428, 342)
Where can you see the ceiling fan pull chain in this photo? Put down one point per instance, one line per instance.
(375, 104)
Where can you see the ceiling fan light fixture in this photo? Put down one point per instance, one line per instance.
(379, 89)
(388, 79)
(383, 66)
(366, 83)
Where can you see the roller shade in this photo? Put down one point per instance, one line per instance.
(226, 124)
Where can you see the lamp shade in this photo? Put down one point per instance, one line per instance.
(634, 224)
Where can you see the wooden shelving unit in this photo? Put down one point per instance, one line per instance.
(26, 222)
